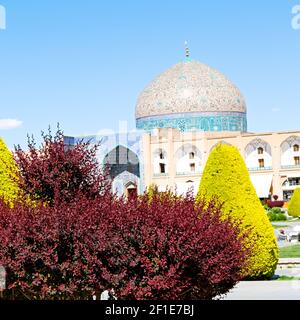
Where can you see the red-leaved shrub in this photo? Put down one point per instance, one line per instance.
(163, 248)
(54, 170)
(275, 204)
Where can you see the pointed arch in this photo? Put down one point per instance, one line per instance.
(160, 162)
(289, 143)
(290, 152)
(188, 149)
(258, 145)
(188, 159)
(258, 155)
(122, 159)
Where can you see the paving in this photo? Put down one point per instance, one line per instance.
(274, 289)
(265, 290)
(283, 261)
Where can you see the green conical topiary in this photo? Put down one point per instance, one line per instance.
(9, 189)
(294, 206)
(226, 176)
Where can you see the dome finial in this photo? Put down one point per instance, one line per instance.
(187, 50)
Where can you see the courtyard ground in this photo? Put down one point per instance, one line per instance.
(266, 290)
(279, 289)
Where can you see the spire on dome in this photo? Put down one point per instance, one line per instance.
(187, 51)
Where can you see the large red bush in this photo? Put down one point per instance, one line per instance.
(56, 171)
(163, 248)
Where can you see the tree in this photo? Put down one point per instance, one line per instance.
(9, 190)
(294, 205)
(226, 177)
(165, 248)
(54, 170)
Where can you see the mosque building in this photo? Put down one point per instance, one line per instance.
(180, 117)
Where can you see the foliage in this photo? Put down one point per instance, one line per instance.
(9, 190)
(294, 206)
(276, 216)
(227, 177)
(54, 170)
(163, 249)
(276, 210)
(265, 205)
(275, 204)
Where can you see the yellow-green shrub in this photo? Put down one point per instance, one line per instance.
(226, 176)
(8, 175)
(294, 205)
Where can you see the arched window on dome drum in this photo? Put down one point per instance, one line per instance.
(296, 148)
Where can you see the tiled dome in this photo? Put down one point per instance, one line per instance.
(189, 91)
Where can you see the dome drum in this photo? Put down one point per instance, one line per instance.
(212, 122)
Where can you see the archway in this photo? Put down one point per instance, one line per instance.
(122, 159)
(188, 160)
(290, 152)
(160, 162)
(131, 190)
(258, 155)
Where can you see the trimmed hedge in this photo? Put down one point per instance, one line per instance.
(294, 206)
(9, 189)
(226, 176)
(275, 204)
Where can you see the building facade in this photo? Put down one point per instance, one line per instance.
(181, 116)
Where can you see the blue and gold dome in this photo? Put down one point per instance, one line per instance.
(192, 96)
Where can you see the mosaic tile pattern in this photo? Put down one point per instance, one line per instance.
(209, 123)
(190, 87)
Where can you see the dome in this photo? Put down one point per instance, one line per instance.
(191, 95)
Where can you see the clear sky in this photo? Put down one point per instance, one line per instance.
(84, 63)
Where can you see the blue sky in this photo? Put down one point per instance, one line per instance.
(84, 63)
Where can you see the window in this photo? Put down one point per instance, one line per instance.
(296, 148)
(161, 156)
(162, 168)
(297, 161)
(260, 150)
(193, 167)
(261, 163)
(192, 155)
